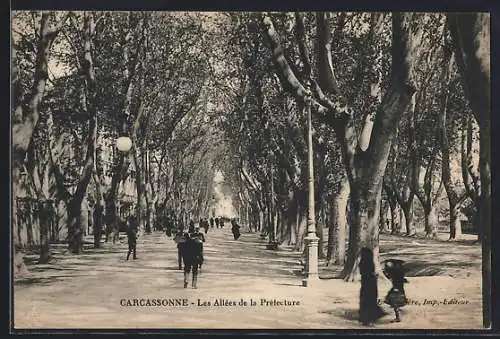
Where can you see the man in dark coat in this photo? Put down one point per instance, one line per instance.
(179, 240)
(205, 225)
(235, 228)
(192, 256)
(211, 222)
(168, 226)
(217, 222)
(200, 239)
(132, 229)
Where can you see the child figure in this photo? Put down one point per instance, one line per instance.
(396, 297)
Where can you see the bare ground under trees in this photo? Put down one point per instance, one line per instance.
(84, 291)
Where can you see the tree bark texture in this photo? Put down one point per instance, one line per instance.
(471, 36)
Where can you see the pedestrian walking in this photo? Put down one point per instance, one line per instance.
(212, 222)
(396, 297)
(217, 222)
(221, 222)
(200, 239)
(132, 229)
(168, 226)
(235, 228)
(192, 257)
(179, 239)
(205, 225)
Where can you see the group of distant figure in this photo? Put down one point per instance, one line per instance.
(190, 253)
(189, 241)
(190, 245)
(172, 224)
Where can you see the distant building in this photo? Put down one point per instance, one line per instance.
(466, 226)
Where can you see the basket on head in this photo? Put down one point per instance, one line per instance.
(393, 265)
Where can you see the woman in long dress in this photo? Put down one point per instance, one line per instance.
(369, 309)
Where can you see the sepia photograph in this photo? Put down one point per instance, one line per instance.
(250, 170)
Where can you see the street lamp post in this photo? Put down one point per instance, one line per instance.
(123, 145)
(311, 239)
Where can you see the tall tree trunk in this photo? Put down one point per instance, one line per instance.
(301, 231)
(25, 114)
(470, 175)
(29, 228)
(272, 212)
(123, 160)
(295, 224)
(408, 212)
(455, 224)
(120, 168)
(247, 217)
(453, 198)
(365, 161)
(289, 229)
(337, 227)
(364, 228)
(18, 266)
(110, 208)
(98, 207)
(393, 205)
(142, 204)
(74, 202)
(384, 208)
(59, 215)
(140, 158)
(75, 227)
(395, 220)
(471, 34)
(410, 184)
(330, 246)
(404, 195)
(97, 224)
(428, 198)
(45, 217)
(320, 232)
(150, 203)
(431, 220)
(278, 225)
(261, 220)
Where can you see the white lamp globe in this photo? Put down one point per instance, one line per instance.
(124, 144)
